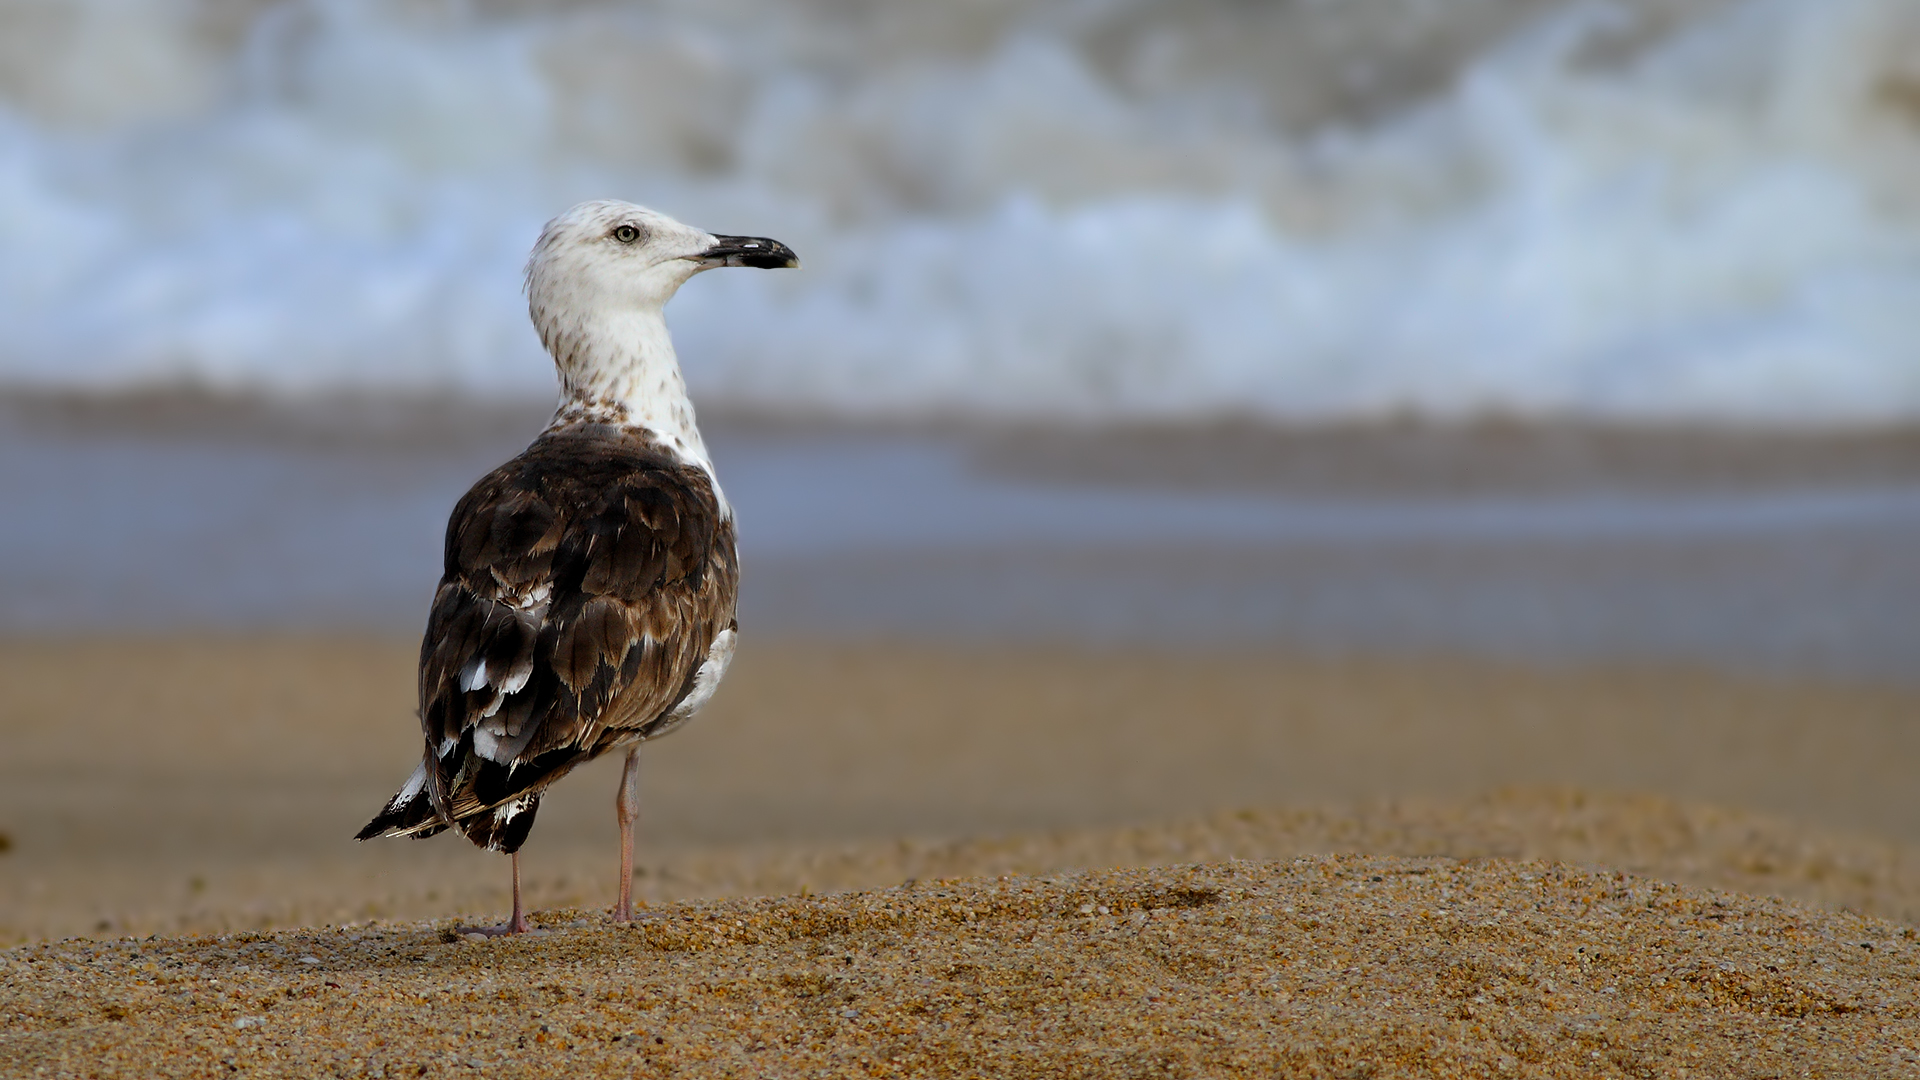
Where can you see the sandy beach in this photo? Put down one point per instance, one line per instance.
(201, 785)
(873, 859)
(1329, 966)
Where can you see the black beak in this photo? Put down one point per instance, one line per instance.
(754, 251)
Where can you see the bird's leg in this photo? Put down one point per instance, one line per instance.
(627, 804)
(519, 923)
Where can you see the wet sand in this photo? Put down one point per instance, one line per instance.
(1761, 552)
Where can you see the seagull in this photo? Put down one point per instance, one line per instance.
(588, 597)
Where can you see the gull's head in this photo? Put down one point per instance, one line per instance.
(611, 256)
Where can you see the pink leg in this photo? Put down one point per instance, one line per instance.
(627, 804)
(518, 924)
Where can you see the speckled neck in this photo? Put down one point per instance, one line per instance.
(621, 369)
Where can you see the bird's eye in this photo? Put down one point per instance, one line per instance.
(626, 234)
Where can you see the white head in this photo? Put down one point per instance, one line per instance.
(597, 282)
(607, 258)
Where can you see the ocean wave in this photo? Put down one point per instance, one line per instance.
(1077, 212)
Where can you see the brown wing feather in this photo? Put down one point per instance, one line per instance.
(585, 582)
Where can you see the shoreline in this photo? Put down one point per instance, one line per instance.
(1375, 457)
(1749, 552)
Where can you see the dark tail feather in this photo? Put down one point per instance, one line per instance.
(505, 827)
(492, 804)
(410, 813)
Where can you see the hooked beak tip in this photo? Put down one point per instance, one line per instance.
(754, 251)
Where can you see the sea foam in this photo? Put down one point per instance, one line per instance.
(1591, 215)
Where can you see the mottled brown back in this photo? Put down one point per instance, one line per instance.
(585, 582)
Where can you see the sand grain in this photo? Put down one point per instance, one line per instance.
(1330, 966)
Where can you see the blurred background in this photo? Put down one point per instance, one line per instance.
(1566, 335)
(1511, 326)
